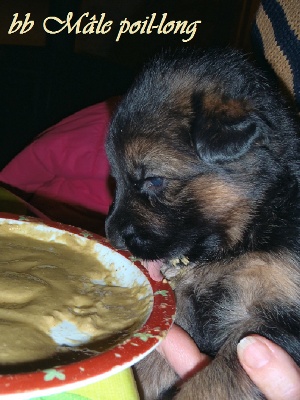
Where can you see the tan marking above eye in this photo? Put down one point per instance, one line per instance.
(158, 158)
(233, 108)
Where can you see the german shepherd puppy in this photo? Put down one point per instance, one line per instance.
(206, 160)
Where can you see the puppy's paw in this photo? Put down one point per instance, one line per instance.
(219, 381)
(154, 377)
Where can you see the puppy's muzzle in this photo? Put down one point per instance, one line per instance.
(112, 230)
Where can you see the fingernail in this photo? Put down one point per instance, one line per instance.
(253, 352)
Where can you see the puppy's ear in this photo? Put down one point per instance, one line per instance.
(223, 129)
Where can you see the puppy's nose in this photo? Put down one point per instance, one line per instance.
(114, 237)
(117, 242)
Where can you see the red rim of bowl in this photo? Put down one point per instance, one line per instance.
(96, 368)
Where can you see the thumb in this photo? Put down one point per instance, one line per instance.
(270, 368)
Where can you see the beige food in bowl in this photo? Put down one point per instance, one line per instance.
(56, 296)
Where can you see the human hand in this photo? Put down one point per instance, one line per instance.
(181, 352)
(269, 366)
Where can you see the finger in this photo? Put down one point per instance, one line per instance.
(182, 353)
(270, 368)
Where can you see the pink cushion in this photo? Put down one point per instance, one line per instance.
(67, 162)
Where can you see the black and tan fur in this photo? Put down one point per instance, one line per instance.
(206, 160)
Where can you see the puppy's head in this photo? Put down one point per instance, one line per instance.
(194, 150)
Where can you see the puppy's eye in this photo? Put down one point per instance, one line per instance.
(153, 183)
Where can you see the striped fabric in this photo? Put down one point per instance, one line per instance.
(276, 35)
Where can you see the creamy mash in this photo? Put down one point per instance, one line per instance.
(47, 287)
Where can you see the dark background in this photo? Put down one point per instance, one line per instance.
(44, 78)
